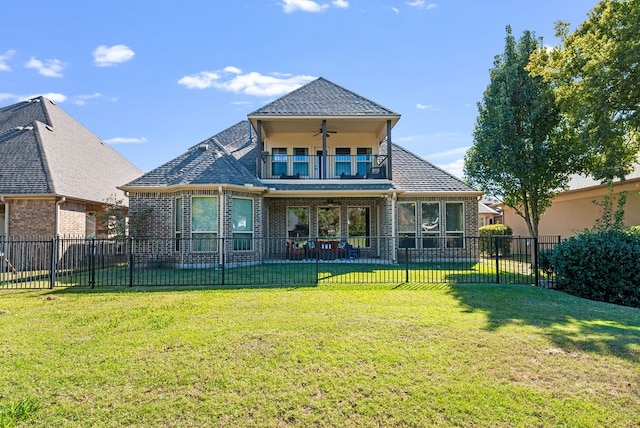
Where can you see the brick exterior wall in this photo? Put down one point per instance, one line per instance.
(32, 217)
(270, 222)
(72, 220)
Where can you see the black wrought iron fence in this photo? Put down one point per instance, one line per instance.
(243, 261)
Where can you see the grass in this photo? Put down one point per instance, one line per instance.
(329, 355)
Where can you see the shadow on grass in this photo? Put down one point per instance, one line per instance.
(571, 323)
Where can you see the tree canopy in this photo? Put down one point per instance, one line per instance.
(520, 152)
(596, 78)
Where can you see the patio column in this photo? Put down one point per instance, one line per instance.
(259, 149)
(389, 169)
(323, 173)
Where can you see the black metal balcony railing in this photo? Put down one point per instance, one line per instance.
(316, 167)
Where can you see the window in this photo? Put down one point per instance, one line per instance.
(454, 224)
(298, 222)
(279, 161)
(177, 221)
(89, 225)
(328, 222)
(359, 226)
(242, 217)
(301, 161)
(363, 159)
(204, 223)
(430, 226)
(407, 224)
(343, 161)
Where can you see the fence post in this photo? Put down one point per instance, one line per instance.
(54, 258)
(406, 264)
(496, 248)
(315, 241)
(537, 261)
(92, 263)
(222, 261)
(131, 260)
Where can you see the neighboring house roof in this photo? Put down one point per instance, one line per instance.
(323, 98)
(44, 151)
(579, 182)
(485, 209)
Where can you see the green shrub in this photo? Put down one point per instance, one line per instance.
(489, 244)
(600, 266)
(635, 230)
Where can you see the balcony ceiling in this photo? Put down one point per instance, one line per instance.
(312, 126)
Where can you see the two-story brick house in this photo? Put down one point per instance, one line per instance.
(315, 164)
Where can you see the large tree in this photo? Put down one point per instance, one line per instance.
(596, 77)
(519, 151)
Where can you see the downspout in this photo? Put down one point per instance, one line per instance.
(58, 203)
(6, 216)
(221, 233)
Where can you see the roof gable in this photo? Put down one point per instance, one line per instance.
(323, 98)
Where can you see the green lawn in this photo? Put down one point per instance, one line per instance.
(326, 355)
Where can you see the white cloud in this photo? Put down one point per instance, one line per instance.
(4, 58)
(6, 96)
(82, 99)
(202, 80)
(456, 167)
(343, 4)
(289, 6)
(53, 96)
(458, 151)
(48, 67)
(395, 9)
(126, 140)
(108, 56)
(231, 79)
(422, 4)
(428, 107)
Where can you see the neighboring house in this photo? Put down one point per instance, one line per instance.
(55, 175)
(573, 210)
(315, 163)
(488, 213)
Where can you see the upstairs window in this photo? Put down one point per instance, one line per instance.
(279, 161)
(343, 161)
(364, 160)
(301, 161)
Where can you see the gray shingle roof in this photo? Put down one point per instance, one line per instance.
(209, 162)
(43, 150)
(414, 174)
(322, 98)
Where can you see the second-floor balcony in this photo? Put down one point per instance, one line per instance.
(318, 167)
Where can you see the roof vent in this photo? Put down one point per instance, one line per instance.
(203, 147)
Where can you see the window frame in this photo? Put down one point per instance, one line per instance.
(279, 161)
(197, 237)
(342, 161)
(360, 240)
(454, 238)
(178, 222)
(407, 237)
(301, 161)
(338, 233)
(241, 237)
(430, 234)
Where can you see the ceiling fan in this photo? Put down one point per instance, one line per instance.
(328, 132)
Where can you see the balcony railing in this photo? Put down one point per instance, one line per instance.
(312, 167)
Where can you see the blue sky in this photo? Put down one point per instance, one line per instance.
(153, 78)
